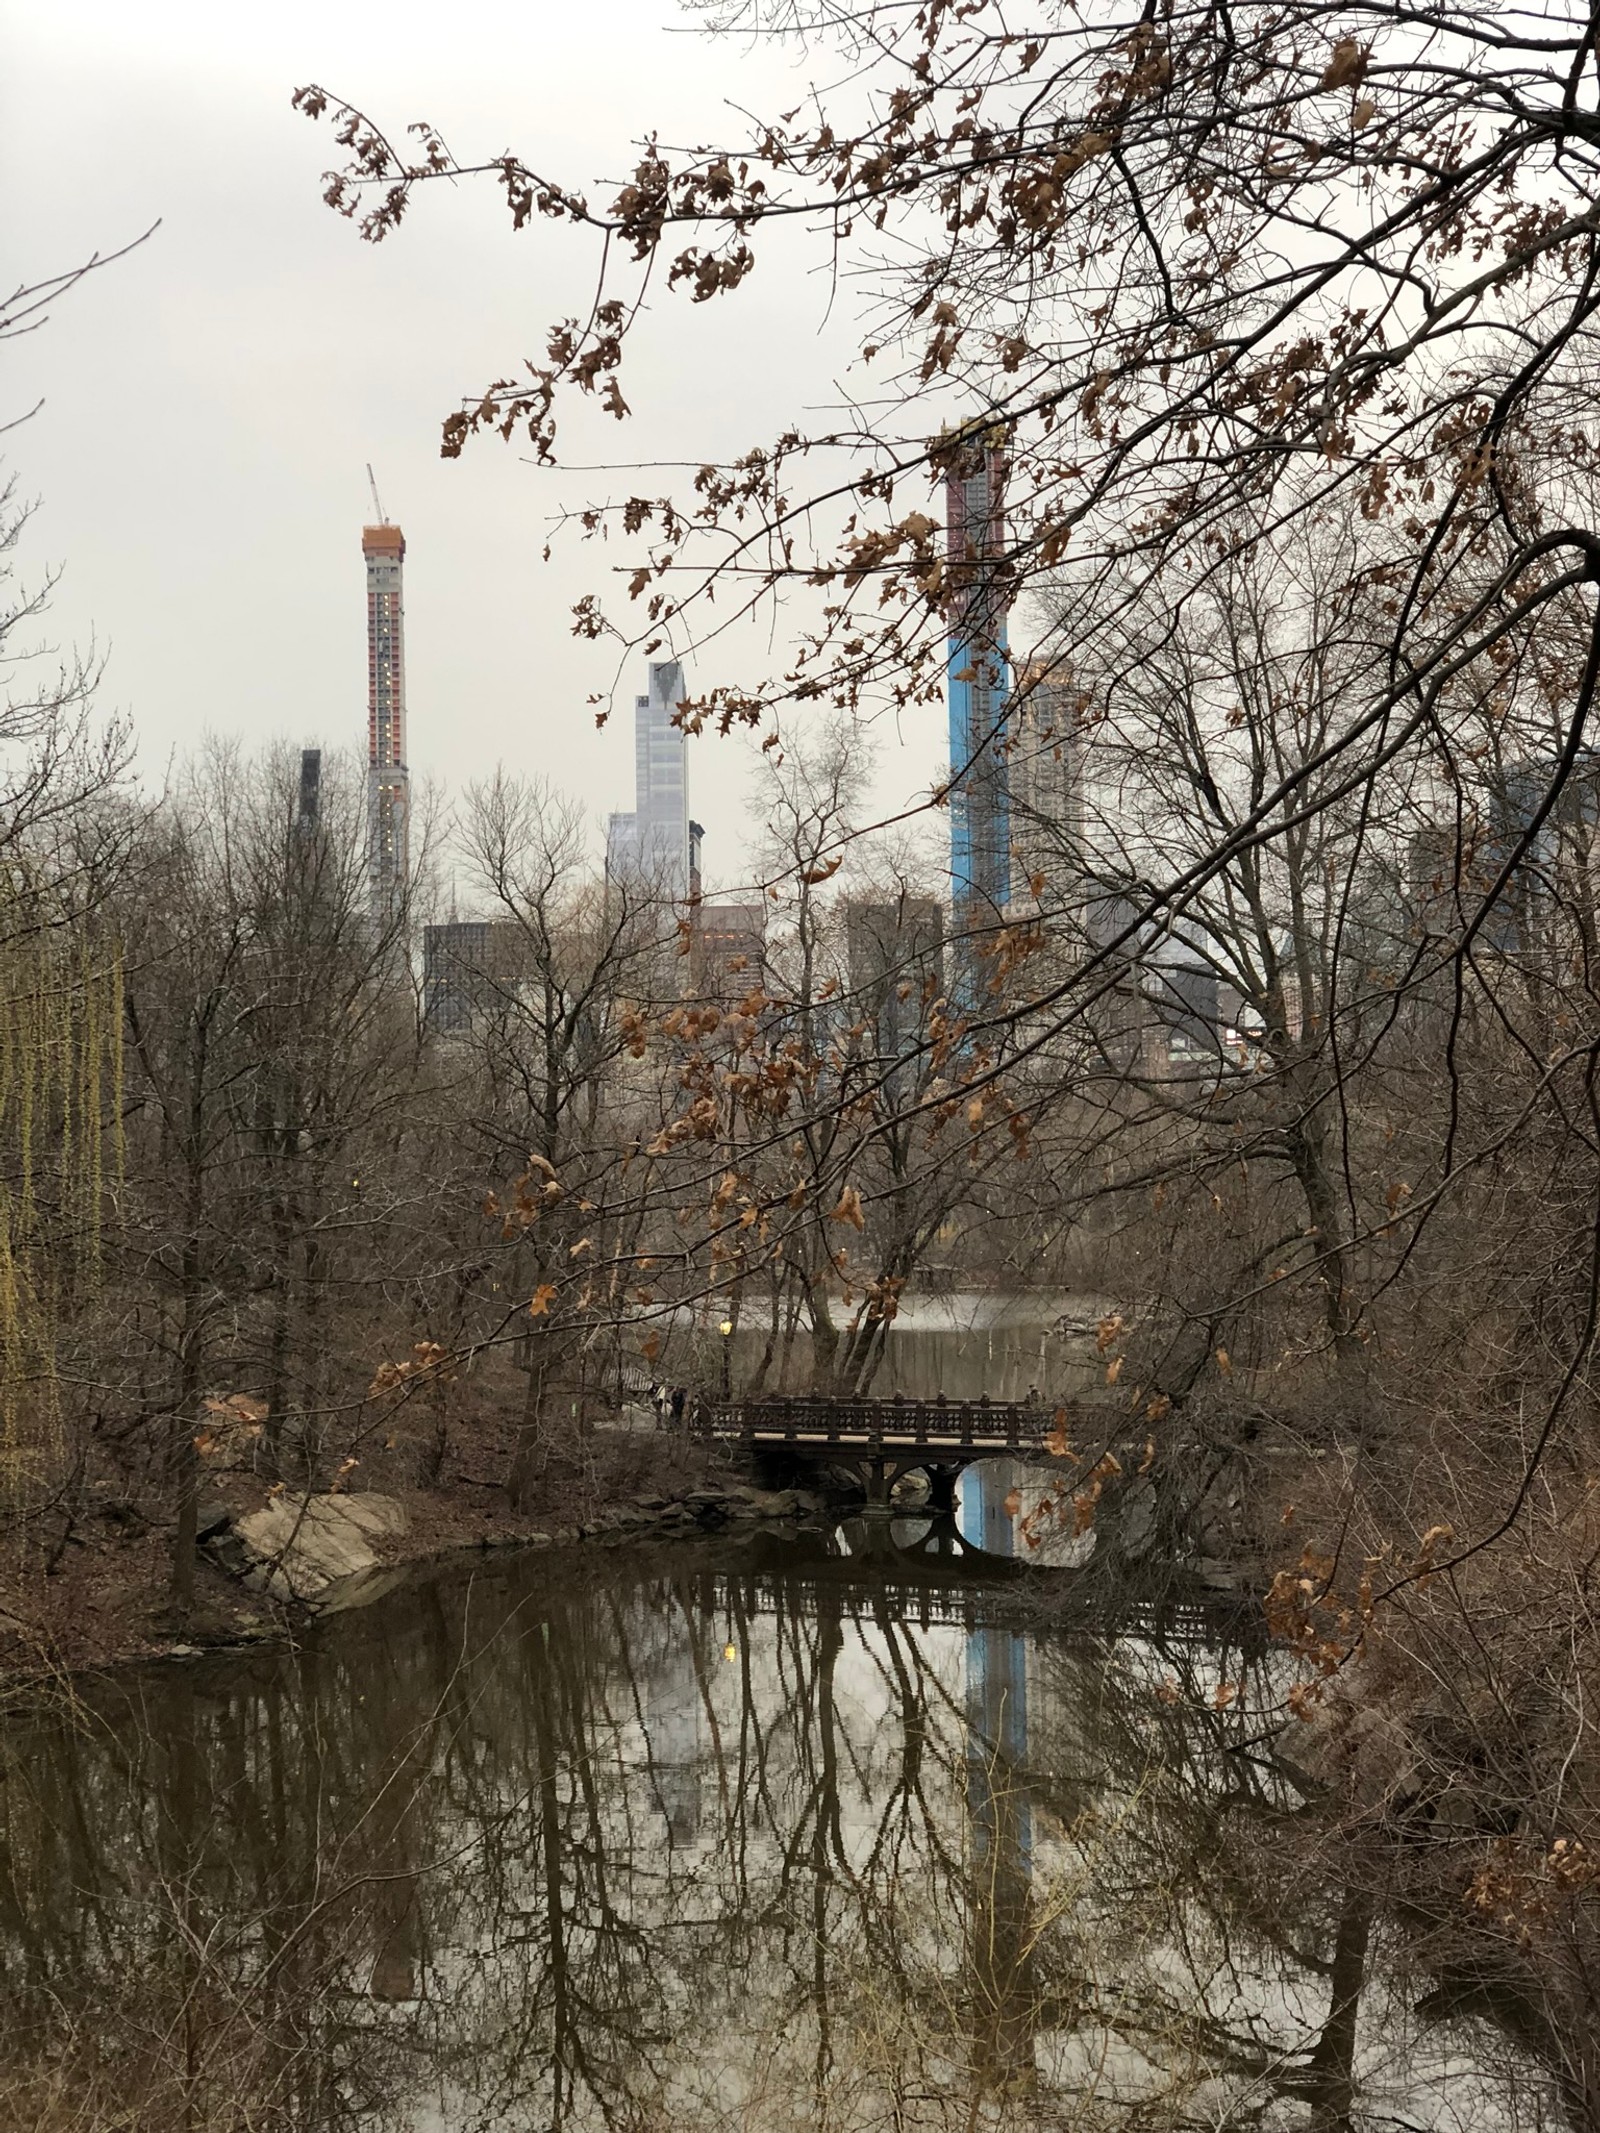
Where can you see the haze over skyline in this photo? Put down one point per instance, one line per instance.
(210, 402)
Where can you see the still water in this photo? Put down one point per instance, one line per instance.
(849, 1830)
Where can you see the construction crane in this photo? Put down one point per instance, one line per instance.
(377, 502)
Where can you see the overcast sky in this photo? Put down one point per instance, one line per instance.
(211, 402)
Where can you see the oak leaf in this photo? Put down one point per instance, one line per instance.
(848, 1209)
(1346, 66)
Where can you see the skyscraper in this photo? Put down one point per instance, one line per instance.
(652, 844)
(979, 602)
(727, 951)
(896, 966)
(309, 811)
(388, 780)
(1045, 749)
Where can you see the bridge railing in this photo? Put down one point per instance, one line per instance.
(875, 1426)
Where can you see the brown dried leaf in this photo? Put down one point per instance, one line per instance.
(1346, 66)
(848, 1209)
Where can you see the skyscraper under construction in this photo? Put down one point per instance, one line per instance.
(979, 602)
(388, 780)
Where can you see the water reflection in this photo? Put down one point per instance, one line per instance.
(765, 1837)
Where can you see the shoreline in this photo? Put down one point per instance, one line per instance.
(230, 1614)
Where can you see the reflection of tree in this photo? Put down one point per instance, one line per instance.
(562, 1849)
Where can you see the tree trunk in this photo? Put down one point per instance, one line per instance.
(185, 1460)
(186, 1476)
(1333, 2091)
(1307, 1146)
(526, 1460)
(824, 1336)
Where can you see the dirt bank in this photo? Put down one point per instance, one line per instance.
(91, 1588)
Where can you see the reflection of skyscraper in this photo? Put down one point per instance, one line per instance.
(999, 1806)
(979, 599)
(652, 844)
(997, 1678)
(388, 780)
(674, 1724)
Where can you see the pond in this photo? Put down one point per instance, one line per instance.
(851, 1829)
(963, 1343)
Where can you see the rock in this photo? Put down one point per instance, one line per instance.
(298, 1548)
(211, 1516)
(229, 1553)
(764, 1503)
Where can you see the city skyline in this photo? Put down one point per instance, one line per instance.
(253, 382)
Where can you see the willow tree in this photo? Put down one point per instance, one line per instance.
(60, 1017)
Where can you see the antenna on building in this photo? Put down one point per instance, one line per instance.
(377, 503)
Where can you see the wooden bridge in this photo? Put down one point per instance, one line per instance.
(880, 1440)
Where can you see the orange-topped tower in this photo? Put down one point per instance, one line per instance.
(388, 780)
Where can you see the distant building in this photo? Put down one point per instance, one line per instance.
(388, 780)
(308, 811)
(454, 958)
(1161, 1006)
(470, 968)
(653, 844)
(1045, 772)
(1184, 993)
(895, 950)
(727, 951)
(1454, 865)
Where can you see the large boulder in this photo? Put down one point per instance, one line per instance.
(299, 1548)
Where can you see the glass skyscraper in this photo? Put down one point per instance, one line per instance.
(652, 844)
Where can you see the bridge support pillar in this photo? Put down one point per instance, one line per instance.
(876, 1474)
(942, 1481)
